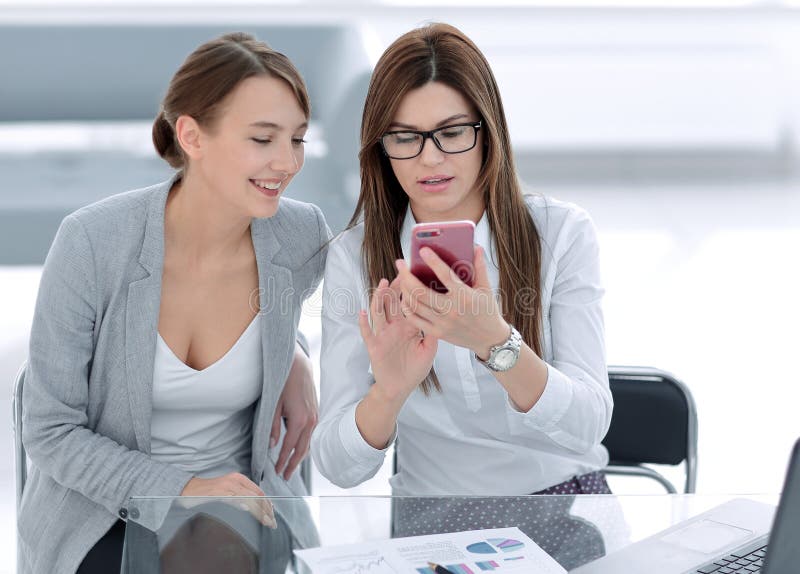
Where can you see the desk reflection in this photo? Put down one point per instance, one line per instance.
(199, 535)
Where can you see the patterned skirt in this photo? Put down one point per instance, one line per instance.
(571, 540)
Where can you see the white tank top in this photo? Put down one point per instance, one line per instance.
(203, 420)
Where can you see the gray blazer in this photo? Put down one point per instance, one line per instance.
(87, 397)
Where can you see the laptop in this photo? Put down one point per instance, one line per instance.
(730, 538)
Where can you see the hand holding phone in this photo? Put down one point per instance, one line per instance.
(453, 242)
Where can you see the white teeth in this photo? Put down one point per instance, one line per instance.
(265, 185)
(434, 180)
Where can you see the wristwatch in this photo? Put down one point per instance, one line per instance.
(505, 355)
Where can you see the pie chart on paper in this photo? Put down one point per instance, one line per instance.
(495, 546)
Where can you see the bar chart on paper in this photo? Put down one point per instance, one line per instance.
(509, 565)
(475, 568)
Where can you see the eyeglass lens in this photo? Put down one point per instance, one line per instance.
(449, 139)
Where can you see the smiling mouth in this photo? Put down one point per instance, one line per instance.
(272, 186)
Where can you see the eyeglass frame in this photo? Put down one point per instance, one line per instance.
(476, 126)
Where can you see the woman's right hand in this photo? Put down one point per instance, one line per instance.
(400, 355)
(234, 484)
(401, 358)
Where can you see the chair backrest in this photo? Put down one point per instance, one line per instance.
(655, 420)
(20, 456)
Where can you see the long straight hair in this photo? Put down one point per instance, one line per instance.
(442, 53)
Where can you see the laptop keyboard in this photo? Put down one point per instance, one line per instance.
(747, 560)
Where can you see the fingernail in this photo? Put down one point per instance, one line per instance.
(272, 442)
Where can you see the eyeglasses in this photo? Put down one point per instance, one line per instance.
(406, 144)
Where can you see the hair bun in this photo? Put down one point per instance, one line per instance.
(164, 141)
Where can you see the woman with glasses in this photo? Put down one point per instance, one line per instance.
(499, 388)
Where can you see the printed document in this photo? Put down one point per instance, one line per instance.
(495, 551)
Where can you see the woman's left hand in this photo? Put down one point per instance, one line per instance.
(298, 406)
(464, 316)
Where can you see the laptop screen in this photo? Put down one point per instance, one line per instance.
(783, 553)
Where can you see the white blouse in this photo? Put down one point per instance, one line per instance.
(470, 438)
(203, 420)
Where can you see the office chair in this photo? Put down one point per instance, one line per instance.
(654, 422)
(21, 457)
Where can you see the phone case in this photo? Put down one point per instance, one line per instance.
(452, 241)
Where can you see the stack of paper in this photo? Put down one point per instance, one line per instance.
(495, 551)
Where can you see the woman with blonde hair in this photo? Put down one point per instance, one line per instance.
(499, 388)
(163, 334)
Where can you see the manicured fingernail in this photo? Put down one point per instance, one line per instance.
(272, 442)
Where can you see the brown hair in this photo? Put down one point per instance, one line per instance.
(208, 75)
(441, 53)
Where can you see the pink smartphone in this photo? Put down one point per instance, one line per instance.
(450, 240)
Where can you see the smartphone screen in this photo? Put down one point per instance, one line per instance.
(452, 241)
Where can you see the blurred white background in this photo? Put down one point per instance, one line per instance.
(675, 124)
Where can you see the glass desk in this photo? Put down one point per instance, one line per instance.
(244, 535)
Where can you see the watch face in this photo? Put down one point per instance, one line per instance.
(505, 358)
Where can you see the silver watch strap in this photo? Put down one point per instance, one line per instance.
(514, 343)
